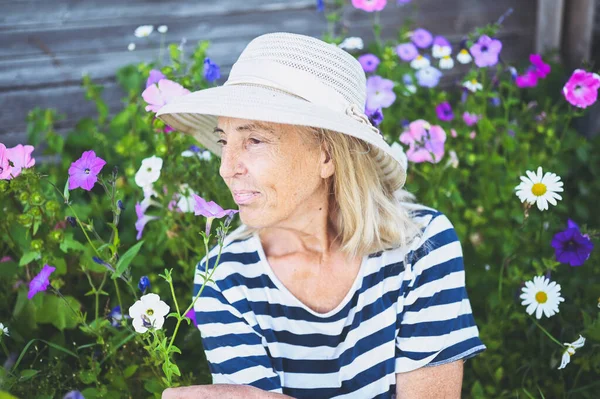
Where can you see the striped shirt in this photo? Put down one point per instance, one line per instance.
(396, 318)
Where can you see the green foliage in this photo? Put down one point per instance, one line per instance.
(63, 339)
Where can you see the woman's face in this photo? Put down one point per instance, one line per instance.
(276, 175)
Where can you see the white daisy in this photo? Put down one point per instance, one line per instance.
(4, 330)
(540, 190)
(541, 295)
(420, 62)
(473, 85)
(352, 43)
(566, 358)
(148, 311)
(162, 29)
(143, 31)
(149, 172)
(446, 62)
(464, 57)
(131, 46)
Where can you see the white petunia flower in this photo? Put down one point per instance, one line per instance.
(541, 295)
(566, 357)
(4, 330)
(131, 46)
(420, 62)
(540, 190)
(352, 43)
(473, 85)
(143, 31)
(205, 155)
(446, 62)
(149, 172)
(162, 29)
(186, 200)
(148, 311)
(453, 159)
(464, 57)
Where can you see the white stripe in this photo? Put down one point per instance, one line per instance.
(224, 353)
(245, 376)
(450, 281)
(443, 312)
(436, 343)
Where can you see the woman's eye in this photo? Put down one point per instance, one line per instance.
(221, 142)
(255, 141)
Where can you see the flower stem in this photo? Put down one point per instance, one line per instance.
(4, 348)
(118, 295)
(548, 334)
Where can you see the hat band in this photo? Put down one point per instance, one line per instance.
(295, 82)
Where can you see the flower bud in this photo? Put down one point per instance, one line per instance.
(52, 206)
(120, 205)
(37, 245)
(72, 221)
(36, 199)
(144, 284)
(25, 220)
(24, 196)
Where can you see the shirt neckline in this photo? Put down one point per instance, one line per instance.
(265, 264)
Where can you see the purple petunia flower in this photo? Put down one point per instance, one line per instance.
(191, 314)
(470, 119)
(444, 111)
(571, 247)
(422, 38)
(154, 77)
(142, 218)
(407, 51)
(375, 116)
(428, 76)
(210, 210)
(486, 51)
(40, 282)
(74, 395)
(212, 71)
(84, 172)
(115, 316)
(369, 62)
(380, 92)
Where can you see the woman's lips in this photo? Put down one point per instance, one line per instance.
(245, 197)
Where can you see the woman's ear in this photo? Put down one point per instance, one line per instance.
(327, 166)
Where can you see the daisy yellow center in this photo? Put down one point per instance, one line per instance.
(149, 312)
(538, 189)
(541, 297)
(474, 81)
(463, 51)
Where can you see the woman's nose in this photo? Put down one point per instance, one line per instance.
(231, 163)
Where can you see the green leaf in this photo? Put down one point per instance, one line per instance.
(70, 243)
(66, 192)
(6, 395)
(29, 257)
(24, 351)
(57, 312)
(27, 374)
(116, 240)
(129, 371)
(127, 257)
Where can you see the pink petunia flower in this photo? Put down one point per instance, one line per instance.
(470, 119)
(84, 172)
(159, 94)
(582, 88)
(486, 51)
(20, 156)
(5, 168)
(426, 142)
(40, 282)
(154, 76)
(541, 69)
(529, 79)
(472, 135)
(369, 5)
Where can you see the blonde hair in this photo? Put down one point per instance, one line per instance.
(368, 215)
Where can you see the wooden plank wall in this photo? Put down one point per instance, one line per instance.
(46, 46)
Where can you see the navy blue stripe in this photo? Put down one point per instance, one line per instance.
(232, 340)
(436, 328)
(457, 349)
(241, 362)
(451, 295)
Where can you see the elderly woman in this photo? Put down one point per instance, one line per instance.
(337, 283)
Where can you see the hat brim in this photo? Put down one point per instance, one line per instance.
(196, 114)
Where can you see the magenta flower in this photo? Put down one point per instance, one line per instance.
(369, 62)
(210, 210)
(486, 51)
(380, 92)
(40, 282)
(20, 156)
(142, 218)
(444, 111)
(155, 76)
(369, 5)
(541, 69)
(407, 51)
(426, 142)
(572, 247)
(5, 168)
(191, 314)
(529, 79)
(422, 38)
(159, 94)
(582, 88)
(84, 172)
(470, 119)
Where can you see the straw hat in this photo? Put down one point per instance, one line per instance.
(291, 79)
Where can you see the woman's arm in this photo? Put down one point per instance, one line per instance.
(443, 381)
(229, 391)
